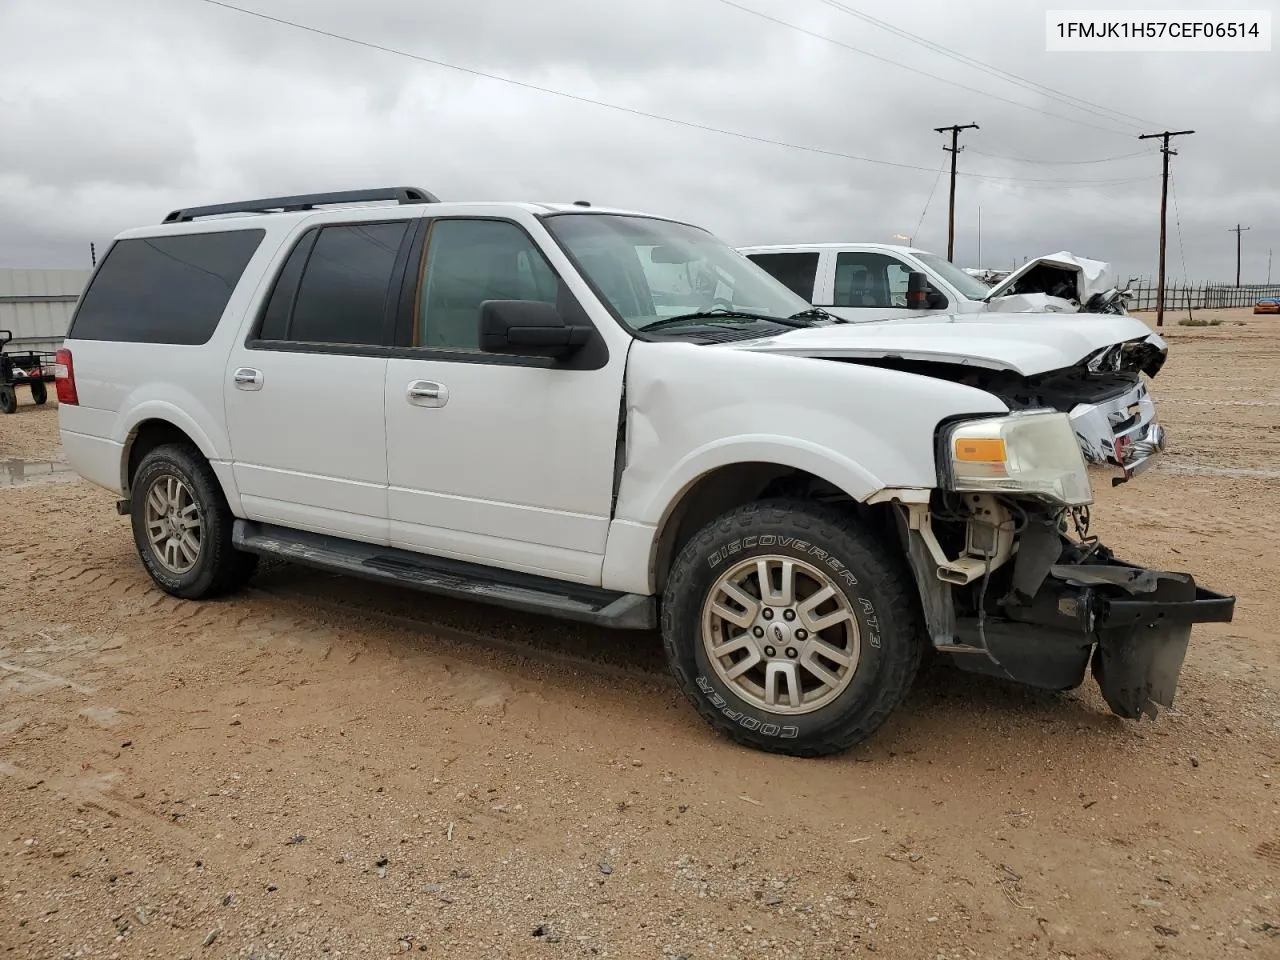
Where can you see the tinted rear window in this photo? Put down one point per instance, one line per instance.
(797, 271)
(164, 289)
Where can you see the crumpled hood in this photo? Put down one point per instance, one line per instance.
(1025, 343)
(1092, 276)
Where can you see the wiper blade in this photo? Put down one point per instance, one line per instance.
(720, 313)
(817, 313)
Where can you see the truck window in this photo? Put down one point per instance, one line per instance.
(345, 286)
(170, 289)
(469, 262)
(797, 271)
(870, 280)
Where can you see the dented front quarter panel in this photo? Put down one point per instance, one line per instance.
(692, 409)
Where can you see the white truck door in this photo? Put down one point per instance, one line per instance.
(303, 392)
(502, 460)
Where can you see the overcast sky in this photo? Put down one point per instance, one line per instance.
(113, 112)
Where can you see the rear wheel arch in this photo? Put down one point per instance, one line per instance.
(146, 436)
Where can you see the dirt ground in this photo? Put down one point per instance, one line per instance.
(321, 767)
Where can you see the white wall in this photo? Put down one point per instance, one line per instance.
(36, 305)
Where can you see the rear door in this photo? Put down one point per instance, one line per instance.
(502, 460)
(303, 392)
(797, 270)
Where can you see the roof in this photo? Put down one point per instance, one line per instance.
(856, 245)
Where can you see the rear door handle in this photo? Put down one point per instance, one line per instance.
(246, 378)
(427, 393)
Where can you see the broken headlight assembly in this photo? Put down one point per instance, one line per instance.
(1032, 453)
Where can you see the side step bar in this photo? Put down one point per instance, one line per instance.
(450, 578)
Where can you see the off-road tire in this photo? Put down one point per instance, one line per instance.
(883, 599)
(39, 392)
(8, 399)
(220, 568)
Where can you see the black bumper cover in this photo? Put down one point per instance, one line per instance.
(1132, 623)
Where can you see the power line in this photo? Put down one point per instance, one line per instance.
(923, 73)
(920, 223)
(954, 150)
(1177, 219)
(633, 111)
(1068, 99)
(1058, 163)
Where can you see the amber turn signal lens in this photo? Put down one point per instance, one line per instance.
(985, 450)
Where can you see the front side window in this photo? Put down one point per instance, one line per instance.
(469, 262)
(168, 289)
(870, 280)
(652, 270)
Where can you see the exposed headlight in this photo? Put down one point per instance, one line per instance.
(1034, 454)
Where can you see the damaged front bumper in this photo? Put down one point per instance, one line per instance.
(1085, 607)
(1121, 433)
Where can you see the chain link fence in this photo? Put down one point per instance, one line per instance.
(1206, 296)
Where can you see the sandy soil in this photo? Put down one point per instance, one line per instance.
(320, 767)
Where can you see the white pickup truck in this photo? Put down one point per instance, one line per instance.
(861, 282)
(614, 418)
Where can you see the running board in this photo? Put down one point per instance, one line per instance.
(450, 578)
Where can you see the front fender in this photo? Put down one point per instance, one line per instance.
(693, 409)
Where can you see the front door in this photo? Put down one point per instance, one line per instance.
(501, 460)
(871, 286)
(304, 394)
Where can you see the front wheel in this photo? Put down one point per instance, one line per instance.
(791, 628)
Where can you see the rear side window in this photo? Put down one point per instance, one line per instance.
(335, 287)
(796, 271)
(164, 289)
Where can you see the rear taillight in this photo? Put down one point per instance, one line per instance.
(64, 373)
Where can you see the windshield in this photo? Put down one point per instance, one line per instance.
(970, 287)
(649, 269)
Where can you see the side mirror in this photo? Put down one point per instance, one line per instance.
(921, 296)
(529, 328)
(917, 291)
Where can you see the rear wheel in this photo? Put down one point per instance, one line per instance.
(8, 399)
(791, 628)
(182, 525)
(39, 392)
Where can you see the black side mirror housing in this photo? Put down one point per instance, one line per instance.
(529, 328)
(917, 291)
(921, 296)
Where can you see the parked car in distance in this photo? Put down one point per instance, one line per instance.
(1267, 305)
(615, 418)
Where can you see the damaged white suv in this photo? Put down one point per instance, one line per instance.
(613, 418)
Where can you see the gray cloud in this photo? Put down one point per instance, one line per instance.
(115, 113)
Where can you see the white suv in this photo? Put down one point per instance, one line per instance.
(608, 417)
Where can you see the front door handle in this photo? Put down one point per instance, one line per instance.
(428, 393)
(246, 378)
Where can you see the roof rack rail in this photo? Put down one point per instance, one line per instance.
(306, 201)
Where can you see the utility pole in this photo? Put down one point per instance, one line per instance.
(1268, 266)
(1237, 230)
(979, 236)
(1164, 208)
(954, 149)
(93, 255)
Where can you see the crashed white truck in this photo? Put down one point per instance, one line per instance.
(1065, 339)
